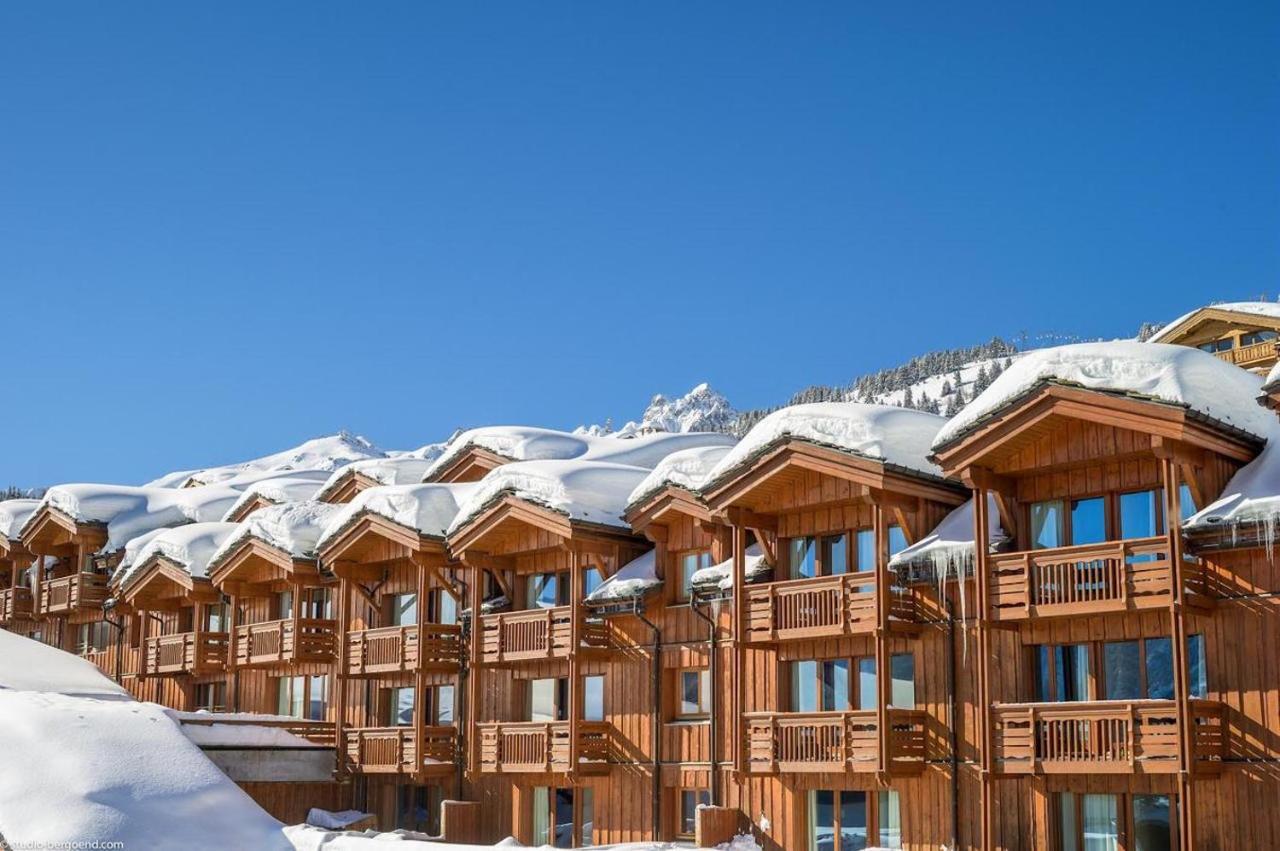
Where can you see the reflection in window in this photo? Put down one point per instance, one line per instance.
(1198, 678)
(835, 685)
(902, 693)
(543, 591)
(1062, 673)
(866, 544)
(691, 563)
(1046, 524)
(1140, 514)
(802, 558)
(690, 800)
(593, 698)
(889, 819)
(1123, 670)
(835, 554)
(404, 609)
(1089, 520)
(1159, 668)
(897, 540)
(1153, 820)
(867, 683)
(400, 707)
(695, 692)
(804, 679)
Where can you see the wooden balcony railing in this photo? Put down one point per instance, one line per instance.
(1116, 737)
(1114, 576)
(16, 604)
(534, 634)
(818, 742)
(819, 607)
(274, 642)
(533, 747)
(400, 649)
(70, 593)
(396, 750)
(185, 653)
(1247, 356)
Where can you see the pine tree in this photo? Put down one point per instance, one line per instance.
(907, 401)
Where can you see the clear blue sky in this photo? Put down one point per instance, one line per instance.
(228, 227)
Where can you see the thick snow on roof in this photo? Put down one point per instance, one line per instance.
(291, 527)
(14, 514)
(292, 488)
(236, 729)
(325, 454)
(97, 766)
(591, 491)
(401, 470)
(1258, 308)
(428, 509)
(721, 575)
(129, 511)
(1251, 497)
(688, 469)
(190, 546)
(528, 443)
(897, 436)
(634, 579)
(948, 549)
(1178, 375)
(428, 452)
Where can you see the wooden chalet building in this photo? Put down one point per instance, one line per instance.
(1246, 334)
(400, 651)
(17, 590)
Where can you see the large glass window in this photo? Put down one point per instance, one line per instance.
(591, 579)
(593, 698)
(317, 603)
(587, 816)
(548, 699)
(563, 816)
(1089, 520)
(445, 608)
(544, 591)
(404, 609)
(1153, 823)
(903, 687)
(1186, 502)
(552, 816)
(400, 706)
(1159, 668)
(1122, 670)
(691, 563)
(1253, 338)
(690, 800)
(1140, 514)
(802, 558)
(866, 543)
(835, 685)
(1198, 679)
(1061, 673)
(804, 686)
(211, 697)
(897, 540)
(93, 637)
(303, 697)
(835, 555)
(215, 618)
(442, 705)
(1048, 528)
(695, 692)
(540, 814)
(889, 817)
(837, 821)
(1101, 828)
(284, 605)
(867, 683)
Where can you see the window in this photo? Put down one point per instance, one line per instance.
(695, 692)
(418, 808)
(442, 608)
(1140, 514)
(1061, 673)
(546, 591)
(441, 705)
(837, 821)
(593, 698)
(835, 554)
(1216, 346)
(1154, 819)
(317, 604)
(835, 685)
(586, 816)
(889, 817)
(1186, 502)
(690, 800)
(1089, 520)
(400, 706)
(1122, 670)
(1253, 338)
(902, 667)
(802, 558)
(552, 816)
(591, 579)
(1198, 679)
(303, 696)
(827, 685)
(1097, 822)
(211, 697)
(93, 637)
(284, 605)
(866, 683)
(548, 699)
(404, 609)
(1136, 669)
(1048, 529)
(215, 618)
(865, 540)
(897, 540)
(690, 563)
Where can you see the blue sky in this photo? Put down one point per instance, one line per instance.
(226, 227)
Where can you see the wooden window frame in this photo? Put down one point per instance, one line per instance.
(872, 810)
(213, 686)
(1097, 673)
(576, 837)
(855, 688)
(703, 712)
(697, 792)
(682, 592)
(1111, 513)
(308, 683)
(561, 697)
(1124, 817)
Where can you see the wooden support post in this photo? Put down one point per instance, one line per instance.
(575, 645)
(739, 646)
(340, 683)
(1181, 677)
(881, 534)
(981, 547)
(233, 620)
(473, 673)
(420, 707)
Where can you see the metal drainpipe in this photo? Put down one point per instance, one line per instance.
(460, 705)
(119, 625)
(656, 686)
(713, 672)
(951, 722)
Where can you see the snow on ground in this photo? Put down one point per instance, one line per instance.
(308, 838)
(401, 470)
(291, 527)
(721, 575)
(427, 452)
(322, 453)
(428, 509)
(591, 491)
(1258, 308)
(688, 469)
(528, 443)
(934, 385)
(897, 436)
(190, 546)
(14, 514)
(948, 549)
(294, 487)
(100, 767)
(634, 579)
(1175, 374)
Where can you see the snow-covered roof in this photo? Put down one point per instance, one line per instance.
(1250, 499)
(591, 491)
(99, 768)
(426, 452)
(528, 443)
(129, 511)
(236, 729)
(325, 454)
(1178, 375)
(1273, 377)
(427, 509)
(948, 549)
(688, 469)
(1269, 309)
(721, 575)
(896, 436)
(294, 487)
(14, 514)
(634, 579)
(401, 470)
(291, 527)
(190, 547)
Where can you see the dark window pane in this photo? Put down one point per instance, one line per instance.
(853, 821)
(564, 818)
(1122, 670)
(835, 685)
(1041, 673)
(823, 820)
(1152, 823)
(1159, 669)
(1073, 672)
(1198, 676)
(835, 554)
(1088, 520)
(902, 688)
(1068, 824)
(689, 693)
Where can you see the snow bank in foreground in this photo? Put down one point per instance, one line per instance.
(1175, 374)
(689, 469)
(427, 509)
(591, 491)
(308, 838)
(97, 766)
(896, 436)
(292, 527)
(634, 579)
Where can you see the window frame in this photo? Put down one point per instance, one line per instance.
(705, 698)
(872, 798)
(684, 588)
(1126, 833)
(855, 695)
(1097, 669)
(1111, 512)
(700, 795)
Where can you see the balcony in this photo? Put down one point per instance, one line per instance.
(319, 733)
(71, 593)
(539, 747)
(185, 653)
(822, 607)
(1256, 355)
(1115, 576)
(832, 742)
(280, 642)
(396, 750)
(16, 604)
(401, 649)
(1104, 737)
(535, 635)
